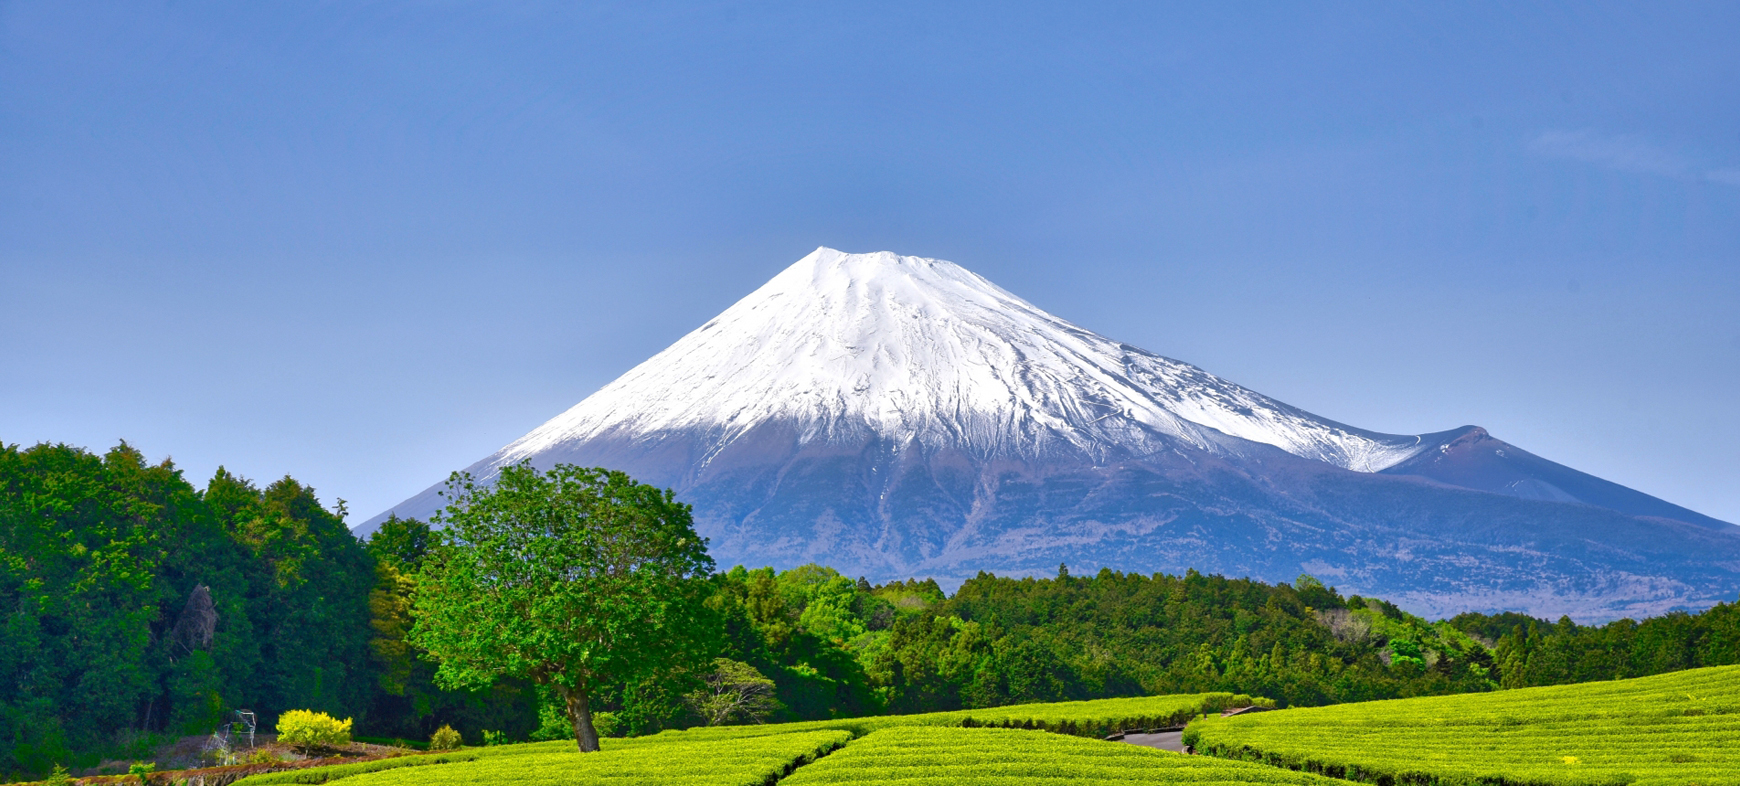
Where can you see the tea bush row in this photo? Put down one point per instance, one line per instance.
(1095, 718)
(923, 756)
(313, 775)
(719, 762)
(1679, 728)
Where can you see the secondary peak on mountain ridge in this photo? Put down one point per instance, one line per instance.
(898, 416)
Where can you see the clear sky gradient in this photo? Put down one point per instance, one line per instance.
(367, 244)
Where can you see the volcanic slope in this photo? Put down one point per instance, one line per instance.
(896, 416)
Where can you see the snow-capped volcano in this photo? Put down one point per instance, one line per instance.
(916, 350)
(896, 416)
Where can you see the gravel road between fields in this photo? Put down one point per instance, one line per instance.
(1166, 740)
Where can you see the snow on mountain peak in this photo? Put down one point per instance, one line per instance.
(898, 416)
(921, 351)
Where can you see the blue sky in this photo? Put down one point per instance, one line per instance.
(366, 244)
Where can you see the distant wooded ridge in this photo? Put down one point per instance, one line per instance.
(135, 607)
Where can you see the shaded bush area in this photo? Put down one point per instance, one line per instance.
(1002, 640)
(133, 601)
(135, 607)
(1532, 652)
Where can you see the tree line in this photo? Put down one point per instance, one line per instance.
(136, 607)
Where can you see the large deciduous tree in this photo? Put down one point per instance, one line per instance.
(577, 579)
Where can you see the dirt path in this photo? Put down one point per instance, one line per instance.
(1166, 740)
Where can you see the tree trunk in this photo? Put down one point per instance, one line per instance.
(581, 716)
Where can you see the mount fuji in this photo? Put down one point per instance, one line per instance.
(896, 416)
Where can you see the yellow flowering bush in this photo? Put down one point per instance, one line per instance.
(309, 729)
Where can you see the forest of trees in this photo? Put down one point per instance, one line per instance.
(135, 607)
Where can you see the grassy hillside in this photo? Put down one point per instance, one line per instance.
(1680, 728)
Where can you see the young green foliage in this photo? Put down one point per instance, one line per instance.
(307, 729)
(576, 579)
(445, 739)
(1675, 729)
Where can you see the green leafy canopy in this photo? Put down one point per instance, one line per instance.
(580, 579)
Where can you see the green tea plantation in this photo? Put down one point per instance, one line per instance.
(1681, 729)
(1095, 718)
(933, 756)
(659, 759)
(1678, 728)
(728, 755)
